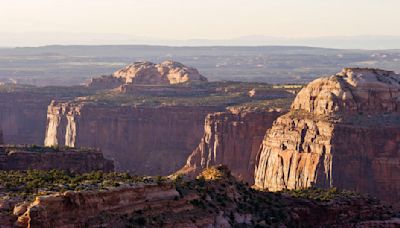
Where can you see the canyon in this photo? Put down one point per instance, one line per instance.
(342, 131)
(140, 140)
(23, 110)
(231, 138)
(151, 129)
(250, 158)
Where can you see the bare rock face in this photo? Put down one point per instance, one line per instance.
(79, 209)
(231, 139)
(141, 140)
(342, 131)
(147, 73)
(73, 160)
(216, 201)
(23, 117)
(353, 90)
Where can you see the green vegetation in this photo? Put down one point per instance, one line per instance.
(219, 191)
(221, 94)
(42, 149)
(202, 94)
(319, 194)
(213, 192)
(52, 91)
(28, 184)
(278, 103)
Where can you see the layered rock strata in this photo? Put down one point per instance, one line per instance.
(141, 140)
(342, 131)
(216, 200)
(147, 73)
(97, 208)
(77, 161)
(232, 139)
(23, 117)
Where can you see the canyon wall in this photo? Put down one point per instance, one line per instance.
(23, 117)
(73, 161)
(342, 131)
(232, 139)
(141, 140)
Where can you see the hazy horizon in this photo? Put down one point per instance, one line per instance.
(334, 42)
(340, 24)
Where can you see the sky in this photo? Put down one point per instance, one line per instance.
(69, 21)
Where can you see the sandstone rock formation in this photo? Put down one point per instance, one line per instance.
(216, 200)
(342, 131)
(147, 73)
(23, 117)
(73, 160)
(79, 209)
(142, 140)
(232, 139)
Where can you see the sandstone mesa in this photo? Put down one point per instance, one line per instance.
(342, 131)
(147, 73)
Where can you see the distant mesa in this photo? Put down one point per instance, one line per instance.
(148, 73)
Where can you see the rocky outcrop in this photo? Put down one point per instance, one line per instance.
(232, 139)
(62, 114)
(216, 200)
(351, 91)
(141, 140)
(73, 160)
(97, 208)
(147, 73)
(342, 131)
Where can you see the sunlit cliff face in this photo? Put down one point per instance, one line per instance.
(342, 131)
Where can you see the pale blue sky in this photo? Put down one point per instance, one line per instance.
(201, 19)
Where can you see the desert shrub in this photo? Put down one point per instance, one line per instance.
(30, 183)
(319, 194)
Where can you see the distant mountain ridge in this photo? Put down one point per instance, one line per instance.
(340, 42)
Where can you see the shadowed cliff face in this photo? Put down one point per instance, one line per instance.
(342, 131)
(148, 141)
(36, 158)
(23, 117)
(231, 139)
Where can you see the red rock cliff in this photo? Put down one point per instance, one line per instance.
(231, 139)
(23, 117)
(147, 140)
(342, 131)
(89, 209)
